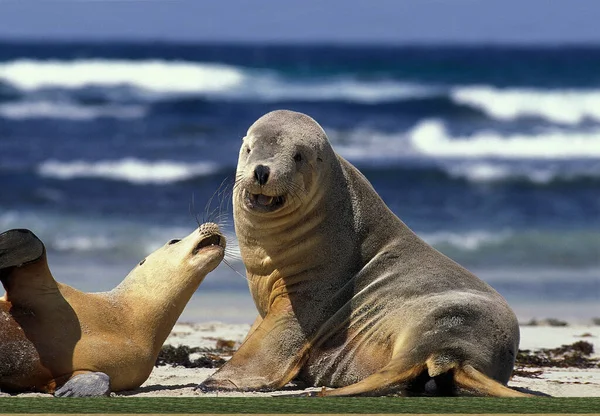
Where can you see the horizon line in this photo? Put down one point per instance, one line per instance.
(299, 42)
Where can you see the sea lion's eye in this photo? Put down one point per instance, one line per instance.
(174, 241)
(142, 262)
(247, 150)
(298, 157)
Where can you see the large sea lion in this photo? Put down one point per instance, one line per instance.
(54, 338)
(348, 295)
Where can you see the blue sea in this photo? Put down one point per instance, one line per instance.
(491, 154)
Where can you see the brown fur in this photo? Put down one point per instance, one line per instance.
(50, 332)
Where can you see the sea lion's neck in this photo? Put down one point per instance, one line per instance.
(284, 240)
(157, 300)
(278, 247)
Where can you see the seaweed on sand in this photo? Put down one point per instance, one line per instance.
(206, 357)
(576, 355)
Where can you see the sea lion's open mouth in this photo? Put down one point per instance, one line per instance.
(265, 203)
(210, 241)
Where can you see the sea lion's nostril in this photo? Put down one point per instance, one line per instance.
(261, 174)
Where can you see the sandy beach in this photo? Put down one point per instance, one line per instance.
(560, 382)
(179, 381)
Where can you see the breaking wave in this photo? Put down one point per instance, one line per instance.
(156, 75)
(488, 171)
(217, 80)
(569, 106)
(129, 169)
(562, 106)
(430, 137)
(45, 109)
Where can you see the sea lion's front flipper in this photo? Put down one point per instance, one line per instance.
(267, 360)
(85, 385)
(23, 265)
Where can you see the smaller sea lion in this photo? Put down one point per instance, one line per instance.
(57, 339)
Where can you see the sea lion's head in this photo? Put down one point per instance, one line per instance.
(280, 163)
(197, 254)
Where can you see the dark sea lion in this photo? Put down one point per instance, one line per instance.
(54, 338)
(348, 295)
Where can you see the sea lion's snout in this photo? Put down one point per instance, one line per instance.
(262, 202)
(259, 193)
(261, 174)
(214, 240)
(210, 237)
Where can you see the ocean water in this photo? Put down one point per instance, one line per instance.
(491, 154)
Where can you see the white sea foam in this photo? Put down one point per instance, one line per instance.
(272, 88)
(469, 241)
(46, 109)
(183, 77)
(368, 145)
(483, 157)
(129, 169)
(83, 243)
(152, 75)
(492, 171)
(569, 106)
(480, 172)
(431, 138)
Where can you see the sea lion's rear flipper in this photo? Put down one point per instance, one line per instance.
(397, 373)
(23, 265)
(85, 385)
(19, 247)
(478, 383)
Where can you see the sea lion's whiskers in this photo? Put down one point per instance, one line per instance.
(231, 267)
(212, 216)
(296, 189)
(207, 208)
(207, 212)
(293, 190)
(225, 195)
(192, 208)
(233, 255)
(219, 217)
(222, 219)
(239, 178)
(222, 213)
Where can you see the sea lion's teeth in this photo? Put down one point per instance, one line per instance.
(265, 200)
